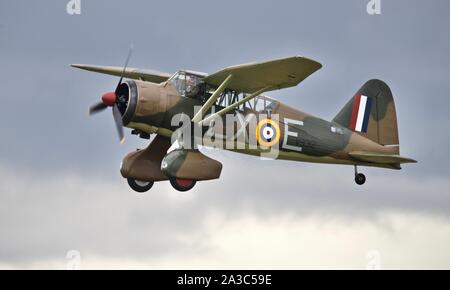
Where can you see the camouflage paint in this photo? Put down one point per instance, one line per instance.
(152, 106)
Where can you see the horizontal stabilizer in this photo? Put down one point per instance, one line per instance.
(130, 73)
(380, 158)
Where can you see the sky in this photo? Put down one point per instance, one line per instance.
(60, 186)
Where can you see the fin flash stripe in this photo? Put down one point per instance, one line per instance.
(359, 119)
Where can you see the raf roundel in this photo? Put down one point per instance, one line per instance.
(267, 133)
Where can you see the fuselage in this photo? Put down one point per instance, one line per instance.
(152, 107)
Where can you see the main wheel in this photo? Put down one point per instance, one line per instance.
(182, 184)
(139, 186)
(360, 179)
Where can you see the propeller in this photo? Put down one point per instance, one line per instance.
(110, 100)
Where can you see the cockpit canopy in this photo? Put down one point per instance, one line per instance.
(187, 83)
(190, 84)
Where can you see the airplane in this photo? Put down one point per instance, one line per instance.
(363, 133)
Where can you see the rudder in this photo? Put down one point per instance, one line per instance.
(371, 113)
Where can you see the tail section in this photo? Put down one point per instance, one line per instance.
(371, 113)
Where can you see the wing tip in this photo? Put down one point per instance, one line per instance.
(80, 66)
(318, 64)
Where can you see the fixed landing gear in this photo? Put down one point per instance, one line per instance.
(139, 186)
(360, 178)
(182, 184)
(177, 183)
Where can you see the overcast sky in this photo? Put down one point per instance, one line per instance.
(60, 186)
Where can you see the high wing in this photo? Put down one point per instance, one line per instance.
(255, 79)
(270, 75)
(131, 73)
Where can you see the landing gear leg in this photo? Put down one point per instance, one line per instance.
(360, 178)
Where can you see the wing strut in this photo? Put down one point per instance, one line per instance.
(206, 106)
(234, 105)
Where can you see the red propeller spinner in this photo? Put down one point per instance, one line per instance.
(109, 98)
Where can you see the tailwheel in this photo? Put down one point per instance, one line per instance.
(139, 185)
(360, 178)
(182, 184)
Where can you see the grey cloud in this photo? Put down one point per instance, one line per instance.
(43, 216)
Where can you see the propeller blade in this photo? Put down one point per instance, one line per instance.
(119, 124)
(125, 67)
(97, 108)
(110, 99)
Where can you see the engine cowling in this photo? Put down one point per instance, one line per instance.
(142, 102)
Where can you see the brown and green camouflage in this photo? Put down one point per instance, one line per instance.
(151, 107)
